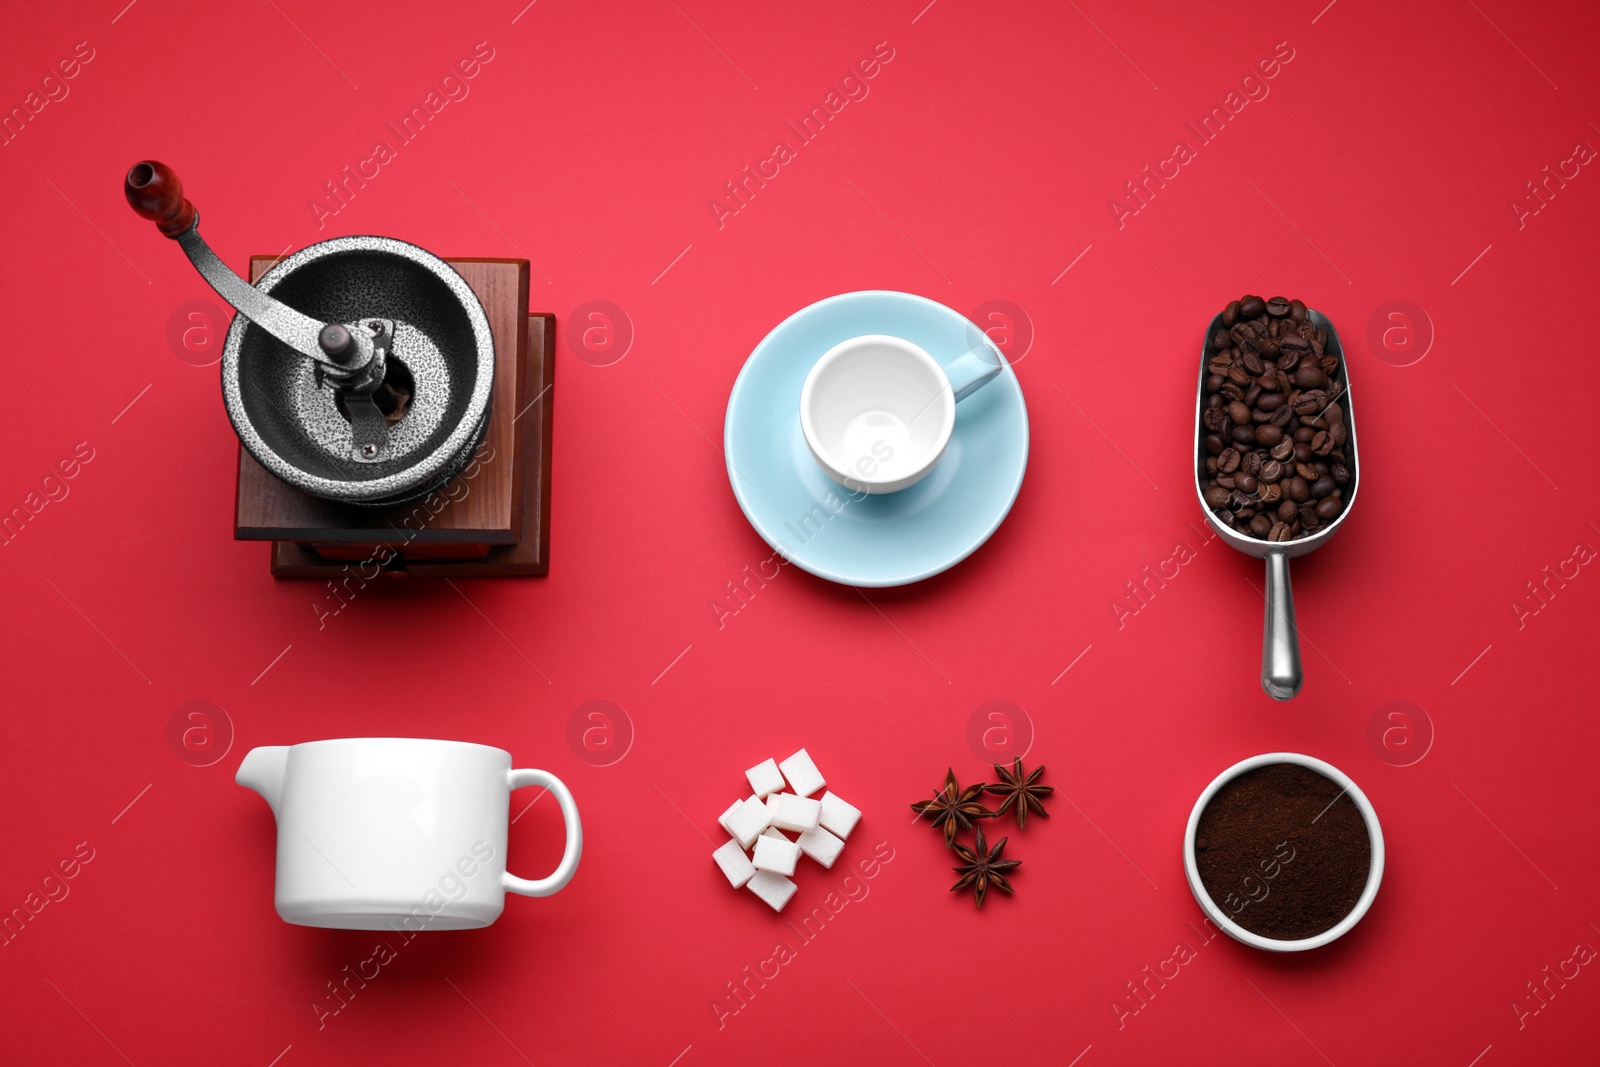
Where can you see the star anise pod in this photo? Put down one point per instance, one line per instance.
(1021, 791)
(982, 867)
(954, 807)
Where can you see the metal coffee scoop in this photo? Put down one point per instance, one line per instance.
(349, 355)
(1281, 674)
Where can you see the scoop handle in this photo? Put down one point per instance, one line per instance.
(155, 192)
(1280, 643)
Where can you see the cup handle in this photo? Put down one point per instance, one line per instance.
(973, 369)
(543, 887)
(1280, 643)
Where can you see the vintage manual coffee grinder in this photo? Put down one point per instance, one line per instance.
(393, 407)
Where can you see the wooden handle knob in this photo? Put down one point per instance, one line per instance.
(155, 192)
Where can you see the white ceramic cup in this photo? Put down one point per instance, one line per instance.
(1219, 915)
(398, 832)
(877, 411)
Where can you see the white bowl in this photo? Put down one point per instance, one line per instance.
(1220, 917)
(877, 412)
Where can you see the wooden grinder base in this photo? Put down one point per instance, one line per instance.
(492, 519)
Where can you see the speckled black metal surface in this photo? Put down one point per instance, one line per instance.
(291, 425)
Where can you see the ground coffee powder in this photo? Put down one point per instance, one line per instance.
(1283, 851)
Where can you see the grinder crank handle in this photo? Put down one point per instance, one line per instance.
(155, 192)
(1281, 675)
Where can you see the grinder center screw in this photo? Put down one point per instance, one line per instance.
(335, 340)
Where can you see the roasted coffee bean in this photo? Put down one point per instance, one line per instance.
(1211, 464)
(1303, 435)
(1271, 470)
(1244, 435)
(1268, 436)
(1338, 434)
(1296, 489)
(1278, 532)
(1283, 450)
(1230, 314)
(1341, 474)
(1252, 362)
(1302, 452)
(1228, 460)
(1305, 470)
(1293, 342)
(1216, 496)
(1268, 401)
(1237, 375)
(1219, 340)
(1322, 444)
(1251, 463)
(1310, 378)
(1249, 307)
(1297, 311)
(1246, 483)
(1226, 481)
(1214, 382)
(1251, 395)
(1238, 411)
(1320, 488)
(1329, 507)
(1269, 494)
(1278, 307)
(1283, 416)
(1213, 444)
(1308, 403)
(1247, 335)
(1231, 391)
(1260, 526)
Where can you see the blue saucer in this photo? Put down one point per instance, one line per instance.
(882, 540)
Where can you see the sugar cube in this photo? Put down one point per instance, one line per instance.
(820, 845)
(775, 853)
(796, 813)
(839, 815)
(772, 808)
(747, 822)
(734, 863)
(773, 888)
(723, 820)
(765, 778)
(802, 774)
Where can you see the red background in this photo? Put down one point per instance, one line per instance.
(978, 168)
